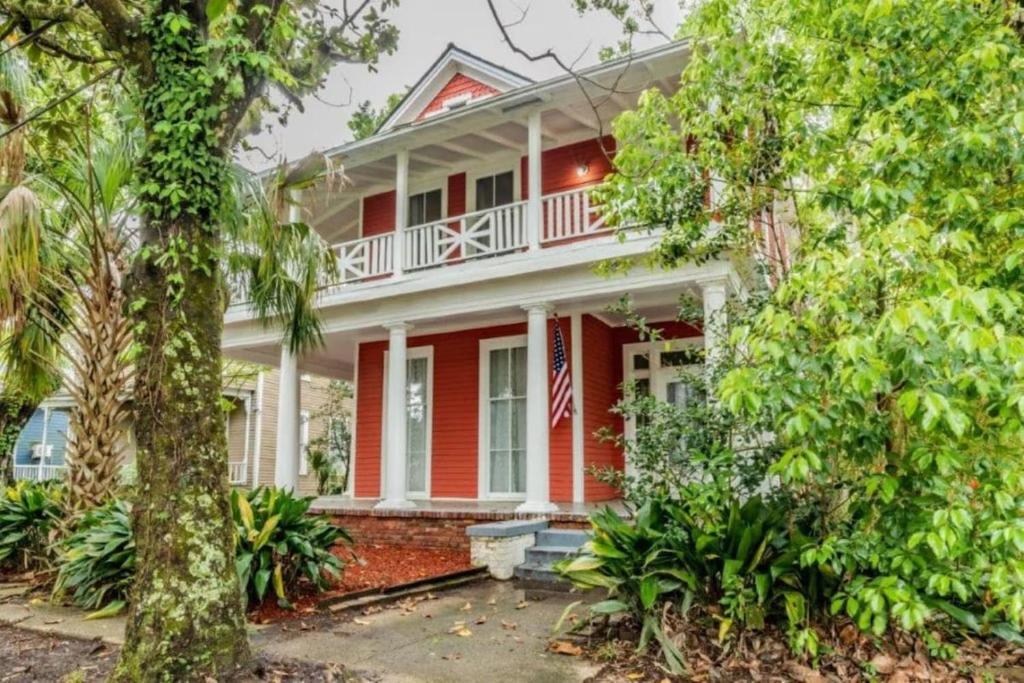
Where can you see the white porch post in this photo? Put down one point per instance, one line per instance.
(537, 413)
(395, 436)
(534, 214)
(714, 294)
(401, 210)
(286, 462)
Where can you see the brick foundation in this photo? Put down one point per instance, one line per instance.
(427, 529)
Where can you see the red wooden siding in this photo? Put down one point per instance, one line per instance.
(460, 84)
(602, 377)
(379, 213)
(559, 166)
(457, 194)
(668, 329)
(455, 445)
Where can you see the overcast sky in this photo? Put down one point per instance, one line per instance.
(427, 26)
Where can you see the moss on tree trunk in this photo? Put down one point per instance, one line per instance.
(15, 412)
(186, 620)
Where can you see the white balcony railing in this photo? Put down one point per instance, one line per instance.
(570, 214)
(365, 258)
(39, 472)
(238, 472)
(472, 235)
(491, 232)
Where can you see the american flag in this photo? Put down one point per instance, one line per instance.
(561, 388)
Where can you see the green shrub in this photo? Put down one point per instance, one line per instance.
(278, 542)
(29, 512)
(98, 559)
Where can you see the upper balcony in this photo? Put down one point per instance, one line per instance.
(479, 163)
(505, 229)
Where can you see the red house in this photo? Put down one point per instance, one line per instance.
(468, 233)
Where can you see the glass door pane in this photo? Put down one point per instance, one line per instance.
(506, 421)
(417, 411)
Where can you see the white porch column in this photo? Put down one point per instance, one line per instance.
(534, 213)
(286, 462)
(401, 210)
(538, 363)
(395, 456)
(714, 294)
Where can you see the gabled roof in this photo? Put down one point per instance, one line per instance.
(454, 62)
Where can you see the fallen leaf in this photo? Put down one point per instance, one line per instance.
(453, 657)
(466, 607)
(508, 625)
(804, 674)
(361, 622)
(635, 676)
(492, 601)
(460, 630)
(884, 664)
(522, 604)
(482, 619)
(564, 647)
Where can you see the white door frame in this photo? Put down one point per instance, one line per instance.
(658, 376)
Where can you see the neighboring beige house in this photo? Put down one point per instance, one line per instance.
(252, 428)
(251, 431)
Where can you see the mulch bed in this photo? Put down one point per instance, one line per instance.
(375, 566)
(846, 654)
(29, 657)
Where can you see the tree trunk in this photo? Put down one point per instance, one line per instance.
(186, 620)
(15, 412)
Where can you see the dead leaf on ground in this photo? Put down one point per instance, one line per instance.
(482, 619)
(492, 601)
(453, 657)
(361, 622)
(635, 675)
(884, 664)
(465, 608)
(509, 625)
(804, 674)
(460, 630)
(564, 647)
(523, 604)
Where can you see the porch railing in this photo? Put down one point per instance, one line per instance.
(472, 235)
(365, 258)
(480, 234)
(39, 472)
(570, 214)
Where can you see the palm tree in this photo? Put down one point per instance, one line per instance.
(26, 371)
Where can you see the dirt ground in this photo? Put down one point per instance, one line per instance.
(29, 657)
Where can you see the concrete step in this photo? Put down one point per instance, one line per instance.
(549, 554)
(538, 574)
(562, 537)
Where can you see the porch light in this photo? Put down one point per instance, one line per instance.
(582, 169)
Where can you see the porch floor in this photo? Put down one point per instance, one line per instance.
(478, 509)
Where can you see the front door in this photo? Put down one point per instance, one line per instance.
(660, 369)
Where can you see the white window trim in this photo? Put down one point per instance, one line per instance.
(483, 414)
(491, 169)
(303, 443)
(412, 353)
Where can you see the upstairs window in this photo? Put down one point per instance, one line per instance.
(425, 207)
(494, 190)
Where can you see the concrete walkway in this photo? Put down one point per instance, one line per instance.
(482, 632)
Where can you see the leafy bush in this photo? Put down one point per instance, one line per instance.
(278, 542)
(98, 559)
(29, 512)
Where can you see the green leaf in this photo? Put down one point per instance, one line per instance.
(609, 607)
(215, 8)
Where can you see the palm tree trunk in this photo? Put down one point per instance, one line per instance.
(99, 383)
